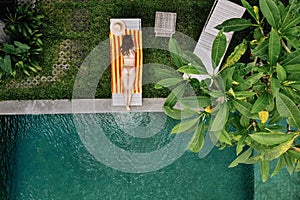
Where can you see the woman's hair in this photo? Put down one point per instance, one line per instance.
(127, 44)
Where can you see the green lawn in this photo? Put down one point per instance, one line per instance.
(86, 23)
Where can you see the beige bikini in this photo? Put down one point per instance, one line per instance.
(128, 71)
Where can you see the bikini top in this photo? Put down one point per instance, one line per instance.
(129, 58)
(130, 55)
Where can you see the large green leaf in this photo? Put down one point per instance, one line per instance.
(274, 47)
(175, 52)
(168, 82)
(220, 118)
(195, 101)
(224, 137)
(294, 152)
(261, 50)
(253, 159)
(289, 162)
(216, 93)
(8, 48)
(281, 73)
(235, 56)
(244, 121)
(295, 68)
(244, 108)
(192, 69)
(279, 165)
(241, 69)
(179, 114)
(294, 77)
(242, 158)
(270, 138)
(256, 146)
(292, 94)
(249, 8)
(234, 24)
(172, 112)
(275, 152)
(163, 73)
(197, 141)
(261, 103)
(243, 94)
(226, 77)
(282, 10)
(291, 23)
(270, 12)
(288, 15)
(296, 86)
(264, 169)
(218, 48)
(254, 78)
(287, 108)
(186, 126)
(22, 46)
(292, 58)
(275, 86)
(7, 64)
(240, 145)
(175, 95)
(292, 37)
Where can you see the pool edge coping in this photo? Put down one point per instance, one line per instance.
(65, 106)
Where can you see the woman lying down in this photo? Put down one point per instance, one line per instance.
(128, 71)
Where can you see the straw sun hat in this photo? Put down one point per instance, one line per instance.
(117, 27)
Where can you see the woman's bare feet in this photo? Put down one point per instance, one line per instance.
(127, 108)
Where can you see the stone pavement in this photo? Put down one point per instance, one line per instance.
(25, 107)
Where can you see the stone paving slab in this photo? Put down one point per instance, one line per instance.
(74, 106)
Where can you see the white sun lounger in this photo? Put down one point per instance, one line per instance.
(221, 11)
(132, 27)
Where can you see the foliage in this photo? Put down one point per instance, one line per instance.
(24, 23)
(13, 54)
(23, 26)
(252, 105)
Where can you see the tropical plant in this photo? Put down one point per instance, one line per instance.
(24, 23)
(251, 105)
(14, 58)
(23, 26)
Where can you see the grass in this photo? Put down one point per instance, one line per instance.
(86, 23)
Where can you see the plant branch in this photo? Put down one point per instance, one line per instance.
(254, 125)
(255, 60)
(261, 30)
(285, 46)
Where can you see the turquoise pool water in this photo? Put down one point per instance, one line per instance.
(53, 162)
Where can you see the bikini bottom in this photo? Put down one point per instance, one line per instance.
(128, 77)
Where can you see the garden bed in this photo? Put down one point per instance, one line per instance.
(74, 28)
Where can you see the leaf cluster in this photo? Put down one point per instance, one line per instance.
(24, 28)
(251, 105)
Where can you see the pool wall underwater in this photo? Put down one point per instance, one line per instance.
(8, 129)
(46, 157)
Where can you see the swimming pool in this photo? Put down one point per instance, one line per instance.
(52, 162)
